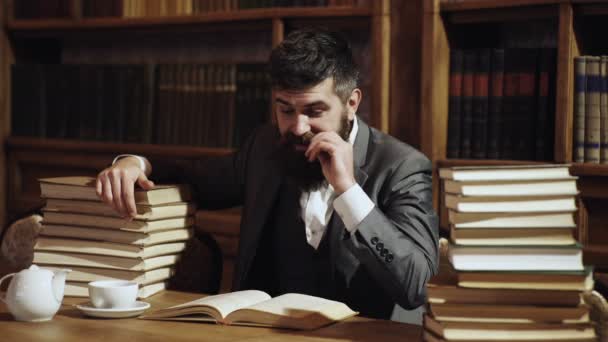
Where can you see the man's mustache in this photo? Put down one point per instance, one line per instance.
(290, 139)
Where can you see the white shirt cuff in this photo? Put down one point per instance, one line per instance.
(142, 163)
(352, 206)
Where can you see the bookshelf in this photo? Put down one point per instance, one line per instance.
(78, 39)
(385, 35)
(573, 28)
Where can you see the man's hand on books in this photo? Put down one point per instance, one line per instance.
(115, 185)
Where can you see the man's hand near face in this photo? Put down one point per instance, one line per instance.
(116, 184)
(336, 158)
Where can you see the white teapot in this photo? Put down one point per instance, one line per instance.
(35, 294)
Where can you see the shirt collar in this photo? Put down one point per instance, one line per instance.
(353, 132)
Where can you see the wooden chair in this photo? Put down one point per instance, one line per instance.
(599, 313)
(18, 240)
(200, 266)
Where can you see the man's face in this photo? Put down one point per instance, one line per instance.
(317, 109)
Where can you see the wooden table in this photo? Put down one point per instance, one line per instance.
(71, 325)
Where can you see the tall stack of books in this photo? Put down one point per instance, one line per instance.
(84, 234)
(515, 269)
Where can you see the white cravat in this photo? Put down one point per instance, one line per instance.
(317, 206)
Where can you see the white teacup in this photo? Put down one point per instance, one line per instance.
(113, 294)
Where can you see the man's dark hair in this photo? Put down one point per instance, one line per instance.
(307, 57)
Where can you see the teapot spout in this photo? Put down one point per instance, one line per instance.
(59, 284)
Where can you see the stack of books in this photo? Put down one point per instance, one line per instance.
(84, 234)
(515, 269)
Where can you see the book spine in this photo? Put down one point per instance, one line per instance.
(495, 103)
(511, 89)
(149, 96)
(480, 104)
(592, 111)
(455, 103)
(57, 104)
(542, 142)
(111, 124)
(467, 104)
(202, 105)
(579, 109)
(230, 111)
(525, 114)
(133, 119)
(161, 104)
(604, 110)
(29, 100)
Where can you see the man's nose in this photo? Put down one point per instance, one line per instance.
(300, 125)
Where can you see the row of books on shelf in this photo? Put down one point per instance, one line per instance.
(86, 235)
(214, 105)
(30, 9)
(512, 269)
(591, 109)
(501, 103)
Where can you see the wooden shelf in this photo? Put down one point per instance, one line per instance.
(52, 27)
(65, 145)
(453, 6)
(591, 9)
(499, 15)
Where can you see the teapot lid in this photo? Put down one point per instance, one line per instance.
(35, 269)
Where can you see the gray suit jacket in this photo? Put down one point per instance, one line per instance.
(403, 224)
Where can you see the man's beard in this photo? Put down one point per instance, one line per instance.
(308, 176)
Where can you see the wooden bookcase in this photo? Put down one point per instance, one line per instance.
(389, 30)
(576, 26)
(51, 40)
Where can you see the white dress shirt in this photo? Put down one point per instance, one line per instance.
(317, 206)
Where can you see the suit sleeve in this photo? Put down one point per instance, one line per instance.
(397, 241)
(217, 181)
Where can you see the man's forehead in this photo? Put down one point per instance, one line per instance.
(322, 92)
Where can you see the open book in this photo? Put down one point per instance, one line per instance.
(256, 308)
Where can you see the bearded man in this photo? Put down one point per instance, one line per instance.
(331, 207)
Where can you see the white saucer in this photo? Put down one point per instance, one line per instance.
(89, 310)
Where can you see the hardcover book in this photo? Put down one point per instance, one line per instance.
(83, 188)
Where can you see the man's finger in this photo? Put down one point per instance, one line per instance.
(321, 147)
(117, 193)
(128, 196)
(106, 192)
(144, 182)
(98, 187)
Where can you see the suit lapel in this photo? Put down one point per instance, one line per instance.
(260, 201)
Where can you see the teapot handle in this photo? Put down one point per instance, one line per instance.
(3, 297)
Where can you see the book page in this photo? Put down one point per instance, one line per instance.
(227, 302)
(299, 305)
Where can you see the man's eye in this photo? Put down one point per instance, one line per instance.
(315, 113)
(287, 111)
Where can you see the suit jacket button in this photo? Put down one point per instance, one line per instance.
(379, 246)
(389, 257)
(383, 252)
(374, 240)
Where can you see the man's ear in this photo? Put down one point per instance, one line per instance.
(353, 102)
